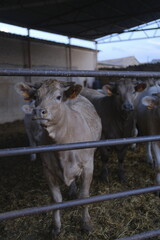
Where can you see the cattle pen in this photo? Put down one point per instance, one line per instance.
(28, 150)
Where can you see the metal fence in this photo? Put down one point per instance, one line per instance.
(76, 73)
(63, 147)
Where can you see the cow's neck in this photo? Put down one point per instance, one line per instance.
(153, 120)
(123, 119)
(123, 115)
(58, 131)
(157, 113)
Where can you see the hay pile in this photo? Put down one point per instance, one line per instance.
(23, 185)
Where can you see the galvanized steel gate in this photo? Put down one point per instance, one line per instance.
(28, 150)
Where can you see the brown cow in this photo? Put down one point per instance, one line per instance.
(116, 110)
(66, 117)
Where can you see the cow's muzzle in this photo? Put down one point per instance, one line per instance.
(127, 107)
(39, 114)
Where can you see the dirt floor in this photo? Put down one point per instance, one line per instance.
(23, 185)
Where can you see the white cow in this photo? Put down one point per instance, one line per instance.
(66, 117)
(148, 121)
(32, 127)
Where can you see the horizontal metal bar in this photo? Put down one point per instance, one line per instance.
(109, 41)
(75, 73)
(74, 203)
(142, 236)
(79, 145)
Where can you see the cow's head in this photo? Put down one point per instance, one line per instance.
(49, 96)
(125, 92)
(152, 102)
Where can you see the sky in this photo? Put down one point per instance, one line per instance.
(144, 50)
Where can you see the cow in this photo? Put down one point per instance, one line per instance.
(66, 117)
(116, 110)
(152, 88)
(148, 118)
(33, 128)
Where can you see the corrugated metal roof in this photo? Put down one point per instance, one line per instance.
(122, 62)
(85, 19)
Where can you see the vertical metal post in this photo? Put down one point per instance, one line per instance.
(70, 56)
(97, 82)
(29, 53)
(96, 48)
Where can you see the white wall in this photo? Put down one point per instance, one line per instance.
(44, 55)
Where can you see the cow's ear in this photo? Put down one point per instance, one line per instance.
(108, 89)
(140, 87)
(25, 90)
(27, 109)
(72, 92)
(149, 101)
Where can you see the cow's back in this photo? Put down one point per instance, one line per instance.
(88, 112)
(115, 122)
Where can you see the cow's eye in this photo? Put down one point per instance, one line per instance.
(58, 97)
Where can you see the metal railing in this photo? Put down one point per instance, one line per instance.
(63, 147)
(79, 145)
(75, 203)
(76, 73)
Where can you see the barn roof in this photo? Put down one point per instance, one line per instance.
(85, 19)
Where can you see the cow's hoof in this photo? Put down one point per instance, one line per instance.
(104, 176)
(150, 161)
(87, 227)
(157, 193)
(55, 235)
(133, 147)
(123, 180)
(104, 179)
(122, 177)
(33, 157)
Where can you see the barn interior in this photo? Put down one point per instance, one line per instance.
(22, 181)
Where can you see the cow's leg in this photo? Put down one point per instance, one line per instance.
(121, 155)
(56, 195)
(84, 193)
(149, 153)
(104, 158)
(134, 134)
(33, 156)
(32, 143)
(156, 151)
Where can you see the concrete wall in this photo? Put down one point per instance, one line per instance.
(44, 55)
